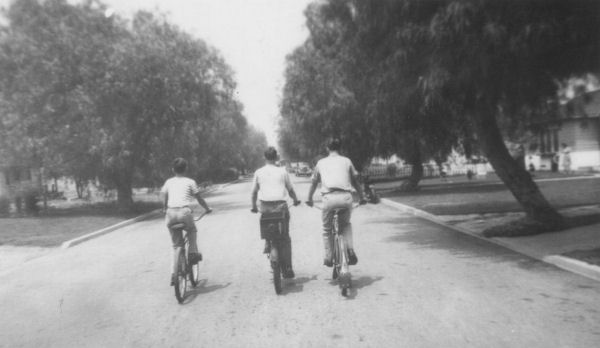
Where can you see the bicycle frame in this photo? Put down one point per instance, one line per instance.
(184, 269)
(341, 269)
(273, 230)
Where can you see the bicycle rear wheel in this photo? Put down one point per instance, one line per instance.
(344, 276)
(336, 258)
(276, 267)
(193, 269)
(181, 279)
(194, 274)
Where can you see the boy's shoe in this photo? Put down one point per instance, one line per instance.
(267, 249)
(173, 279)
(289, 273)
(328, 262)
(195, 258)
(352, 259)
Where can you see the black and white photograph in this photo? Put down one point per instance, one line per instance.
(300, 173)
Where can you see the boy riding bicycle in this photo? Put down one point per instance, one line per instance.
(269, 186)
(179, 193)
(337, 177)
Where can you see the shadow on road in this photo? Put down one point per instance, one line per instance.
(296, 285)
(201, 288)
(422, 234)
(357, 284)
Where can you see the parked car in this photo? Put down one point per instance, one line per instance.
(304, 171)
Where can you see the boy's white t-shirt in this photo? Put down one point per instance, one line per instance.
(335, 172)
(272, 182)
(181, 191)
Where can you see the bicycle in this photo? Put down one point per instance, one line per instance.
(341, 268)
(185, 270)
(273, 228)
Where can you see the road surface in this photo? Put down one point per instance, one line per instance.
(416, 285)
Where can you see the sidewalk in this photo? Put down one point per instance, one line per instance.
(576, 250)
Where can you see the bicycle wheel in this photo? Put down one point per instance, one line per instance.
(344, 277)
(336, 258)
(181, 279)
(276, 267)
(194, 274)
(193, 270)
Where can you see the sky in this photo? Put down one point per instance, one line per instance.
(254, 37)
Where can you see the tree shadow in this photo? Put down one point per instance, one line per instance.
(296, 285)
(201, 288)
(422, 234)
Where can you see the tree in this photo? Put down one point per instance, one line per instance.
(500, 60)
(348, 54)
(485, 61)
(98, 97)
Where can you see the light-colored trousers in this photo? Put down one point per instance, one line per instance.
(184, 215)
(331, 201)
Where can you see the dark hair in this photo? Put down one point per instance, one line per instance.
(271, 154)
(179, 165)
(334, 144)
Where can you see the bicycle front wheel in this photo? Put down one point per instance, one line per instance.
(181, 279)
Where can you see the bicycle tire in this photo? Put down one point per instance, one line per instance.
(336, 259)
(181, 279)
(276, 277)
(193, 270)
(276, 267)
(194, 274)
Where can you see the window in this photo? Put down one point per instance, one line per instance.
(549, 141)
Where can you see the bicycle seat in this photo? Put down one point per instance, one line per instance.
(178, 226)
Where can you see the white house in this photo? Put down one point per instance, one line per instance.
(576, 124)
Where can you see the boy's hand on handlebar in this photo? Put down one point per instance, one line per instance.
(254, 210)
(208, 211)
(297, 203)
(362, 201)
(309, 203)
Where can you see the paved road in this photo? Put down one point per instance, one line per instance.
(416, 285)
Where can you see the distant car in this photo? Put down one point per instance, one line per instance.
(303, 171)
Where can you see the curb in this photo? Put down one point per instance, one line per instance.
(78, 240)
(562, 262)
(84, 238)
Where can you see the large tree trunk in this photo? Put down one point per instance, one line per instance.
(123, 183)
(515, 177)
(124, 196)
(412, 183)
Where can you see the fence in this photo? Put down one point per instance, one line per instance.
(379, 172)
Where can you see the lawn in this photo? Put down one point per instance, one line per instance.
(441, 198)
(57, 225)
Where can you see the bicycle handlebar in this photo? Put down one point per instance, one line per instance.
(202, 215)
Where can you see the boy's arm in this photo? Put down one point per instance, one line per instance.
(290, 189)
(313, 186)
(165, 196)
(356, 185)
(202, 203)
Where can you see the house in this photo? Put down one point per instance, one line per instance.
(16, 181)
(576, 124)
